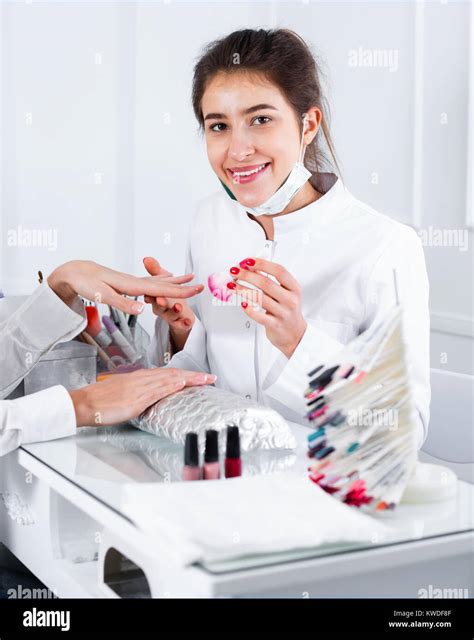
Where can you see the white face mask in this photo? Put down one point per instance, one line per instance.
(298, 176)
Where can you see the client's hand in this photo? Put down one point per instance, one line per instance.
(103, 285)
(176, 313)
(123, 396)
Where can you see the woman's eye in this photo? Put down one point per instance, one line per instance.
(218, 124)
(264, 118)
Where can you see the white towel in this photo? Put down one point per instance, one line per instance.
(219, 520)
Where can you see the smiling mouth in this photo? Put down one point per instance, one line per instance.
(241, 175)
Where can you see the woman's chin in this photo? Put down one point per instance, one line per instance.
(251, 200)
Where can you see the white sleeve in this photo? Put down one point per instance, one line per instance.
(194, 355)
(405, 255)
(30, 327)
(288, 386)
(37, 417)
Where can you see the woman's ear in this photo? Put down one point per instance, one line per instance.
(313, 122)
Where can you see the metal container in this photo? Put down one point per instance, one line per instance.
(72, 364)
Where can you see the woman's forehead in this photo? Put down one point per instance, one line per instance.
(231, 94)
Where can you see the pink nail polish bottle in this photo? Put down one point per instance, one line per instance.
(191, 469)
(211, 456)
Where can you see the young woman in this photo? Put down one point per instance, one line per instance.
(320, 261)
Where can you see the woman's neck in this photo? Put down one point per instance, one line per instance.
(303, 198)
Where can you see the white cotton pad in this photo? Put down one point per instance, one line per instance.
(430, 483)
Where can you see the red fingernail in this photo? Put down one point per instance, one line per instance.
(250, 262)
(244, 304)
(234, 271)
(231, 285)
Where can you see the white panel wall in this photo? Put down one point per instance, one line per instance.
(65, 136)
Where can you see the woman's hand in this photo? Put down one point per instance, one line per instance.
(103, 285)
(177, 314)
(283, 321)
(123, 396)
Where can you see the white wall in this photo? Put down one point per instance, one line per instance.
(99, 142)
(62, 134)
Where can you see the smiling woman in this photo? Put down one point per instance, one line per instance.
(299, 264)
(270, 127)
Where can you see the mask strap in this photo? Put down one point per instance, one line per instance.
(302, 151)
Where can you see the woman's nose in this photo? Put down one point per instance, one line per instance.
(240, 147)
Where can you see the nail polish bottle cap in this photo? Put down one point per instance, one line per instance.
(211, 453)
(233, 442)
(191, 451)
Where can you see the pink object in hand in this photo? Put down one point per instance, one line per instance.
(217, 283)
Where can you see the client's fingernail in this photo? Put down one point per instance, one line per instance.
(138, 307)
(243, 265)
(231, 285)
(234, 271)
(212, 377)
(244, 304)
(249, 261)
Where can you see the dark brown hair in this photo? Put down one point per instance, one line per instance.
(283, 58)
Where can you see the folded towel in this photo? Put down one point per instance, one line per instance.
(219, 520)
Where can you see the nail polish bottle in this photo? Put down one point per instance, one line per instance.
(191, 470)
(233, 463)
(211, 470)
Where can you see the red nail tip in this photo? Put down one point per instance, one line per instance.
(231, 285)
(243, 265)
(250, 262)
(244, 304)
(234, 271)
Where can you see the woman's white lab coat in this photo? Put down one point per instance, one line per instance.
(29, 327)
(342, 252)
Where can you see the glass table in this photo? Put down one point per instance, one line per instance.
(103, 461)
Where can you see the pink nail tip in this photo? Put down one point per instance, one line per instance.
(217, 283)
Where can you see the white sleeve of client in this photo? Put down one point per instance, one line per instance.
(29, 327)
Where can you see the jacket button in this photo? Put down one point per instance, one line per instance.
(248, 396)
(247, 324)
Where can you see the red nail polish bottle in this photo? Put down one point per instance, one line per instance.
(233, 463)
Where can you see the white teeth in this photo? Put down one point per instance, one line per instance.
(249, 173)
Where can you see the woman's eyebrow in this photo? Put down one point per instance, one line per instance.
(245, 112)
